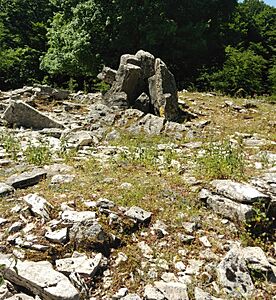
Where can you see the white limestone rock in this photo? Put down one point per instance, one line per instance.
(239, 192)
(58, 236)
(62, 178)
(172, 290)
(70, 217)
(138, 214)
(5, 189)
(38, 205)
(81, 265)
(233, 274)
(201, 295)
(39, 278)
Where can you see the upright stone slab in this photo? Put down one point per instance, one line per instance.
(145, 83)
(163, 92)
(127, 81)
(21, 114)
(147, 62)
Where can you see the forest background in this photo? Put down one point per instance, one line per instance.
(216, 45)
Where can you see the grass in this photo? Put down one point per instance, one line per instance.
(38, 155)
(221, 160)
(11, 144)
(159, 187)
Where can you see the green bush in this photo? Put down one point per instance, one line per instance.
(272, 79)
(19, 66)
(242, 70)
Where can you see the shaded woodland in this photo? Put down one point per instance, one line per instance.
(211, 45)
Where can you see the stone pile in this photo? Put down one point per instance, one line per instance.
(143, 82)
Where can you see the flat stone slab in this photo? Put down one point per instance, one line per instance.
(138, 214)
(72, 216)
(22, 114)
(58, 236)
(81, 265)
(172, 290)
(38, 277)
(239, 192)
(26, 179)
(62, 178)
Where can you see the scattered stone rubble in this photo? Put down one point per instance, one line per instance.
(146, 90)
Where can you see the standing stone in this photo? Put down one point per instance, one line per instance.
(21, 114)
(145, 83)
(147, 61)
(127, 81)
(163, 92)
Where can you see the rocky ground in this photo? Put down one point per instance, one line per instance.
(98, 203)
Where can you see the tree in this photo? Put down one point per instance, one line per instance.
(22, 40)
(88, 33)
(253, 27)
(242, 70)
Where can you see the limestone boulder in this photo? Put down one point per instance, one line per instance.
(39, 278)
(163, 92)
(145, 83)
(234, 276)
(21, 114)
(239, 192)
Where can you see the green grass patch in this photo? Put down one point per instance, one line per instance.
(38, 154)
(221, 160)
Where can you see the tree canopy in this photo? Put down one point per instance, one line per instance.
(200, 40)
